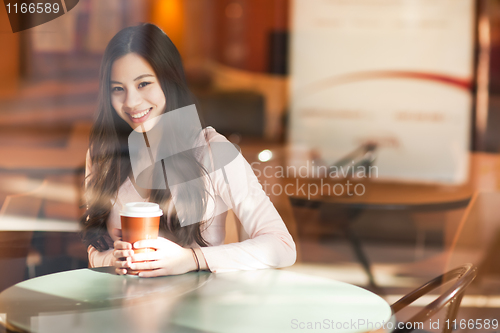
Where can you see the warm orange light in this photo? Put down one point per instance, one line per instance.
(234, 10)
(169, 16)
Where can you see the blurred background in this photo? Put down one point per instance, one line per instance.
(300, 81)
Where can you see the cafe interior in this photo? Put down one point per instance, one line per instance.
(346, 111)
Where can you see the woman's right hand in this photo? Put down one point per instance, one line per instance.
(122, 253)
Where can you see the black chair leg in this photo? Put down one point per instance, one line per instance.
(347, 217)
(360, 255)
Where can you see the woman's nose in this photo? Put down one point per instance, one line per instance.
(132, 99)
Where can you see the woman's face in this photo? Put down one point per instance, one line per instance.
(136, 94)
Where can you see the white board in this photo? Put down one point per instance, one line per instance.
(393, 72)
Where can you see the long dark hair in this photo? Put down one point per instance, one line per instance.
(108, 141)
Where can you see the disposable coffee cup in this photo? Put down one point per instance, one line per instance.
(140, 221)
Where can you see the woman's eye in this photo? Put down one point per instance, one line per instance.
(116, 89)
(143, 84)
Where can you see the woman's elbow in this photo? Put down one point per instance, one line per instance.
(288, 255)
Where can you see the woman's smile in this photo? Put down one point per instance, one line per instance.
(139, 116)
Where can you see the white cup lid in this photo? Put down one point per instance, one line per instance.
(141, 209)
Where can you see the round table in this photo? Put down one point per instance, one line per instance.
(96, 300)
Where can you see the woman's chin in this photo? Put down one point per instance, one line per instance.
(145, 126)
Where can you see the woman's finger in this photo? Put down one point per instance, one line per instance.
(120, 271)
(122, 263)
(152, 273)
(153, 255)
(119, 245)
(123, 253)
(151, 243)
(139, 266)
(157, 243)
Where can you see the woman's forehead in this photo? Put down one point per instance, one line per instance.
(130, 67)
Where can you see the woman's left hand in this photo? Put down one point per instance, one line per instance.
(168, 259)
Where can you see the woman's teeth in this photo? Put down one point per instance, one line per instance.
(140, 115)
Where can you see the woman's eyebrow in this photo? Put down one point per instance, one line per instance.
(137, 78)
(142, 76)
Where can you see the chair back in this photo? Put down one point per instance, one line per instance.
(477, 236)
(464, 275)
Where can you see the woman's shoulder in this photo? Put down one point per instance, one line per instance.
(213, 136)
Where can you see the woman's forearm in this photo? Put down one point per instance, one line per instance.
(265, 251)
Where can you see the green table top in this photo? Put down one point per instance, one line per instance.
(96, 300)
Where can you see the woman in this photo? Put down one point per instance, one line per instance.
(142, 78)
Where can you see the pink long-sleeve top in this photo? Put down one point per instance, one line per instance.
(270, 245)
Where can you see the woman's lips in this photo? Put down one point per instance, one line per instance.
(142, 118)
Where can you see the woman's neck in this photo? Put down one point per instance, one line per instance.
(143, 192)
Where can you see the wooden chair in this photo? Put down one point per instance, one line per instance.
(477, 236)
(274, 89)
(464, 275)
